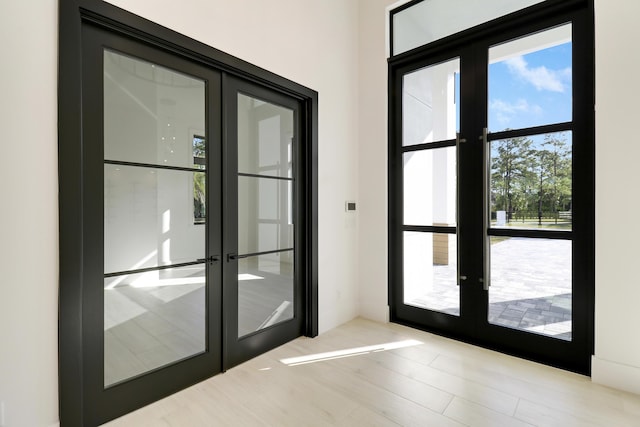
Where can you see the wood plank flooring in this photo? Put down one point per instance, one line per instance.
(369, 374)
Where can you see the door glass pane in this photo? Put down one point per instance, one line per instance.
(264, 215)
(430, 112)
(151, 113)
(531, 184)
(152, 319)
(265, 291)
(530, 80)
(153, 216)
(531, 285)
(265, 136)
(432, 20)
(429, 180)
(149, 217)
(430, 272)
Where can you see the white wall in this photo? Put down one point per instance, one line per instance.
(617, 353)
(372, 160)
(28, 213)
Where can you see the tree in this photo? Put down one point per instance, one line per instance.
(509, 168)
(531, 175)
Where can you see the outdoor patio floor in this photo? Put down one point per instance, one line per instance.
(530, 286)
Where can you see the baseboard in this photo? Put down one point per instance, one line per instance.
(616, 375)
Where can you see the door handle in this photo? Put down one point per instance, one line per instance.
(210, 260)
(458, 142)
(486, 274)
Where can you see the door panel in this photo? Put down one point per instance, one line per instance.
(153, 316)
(263, 292)
(486, 243)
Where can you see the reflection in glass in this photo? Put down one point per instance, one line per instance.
(429, 109)
(530, 81)
(265, 135)
(148, 218)
(265, 291)
(531, 285)
(264, 223)
(151, 113)
(431, 20)
(531, 184)
(430, 187)
(152, 319)
(430, 272)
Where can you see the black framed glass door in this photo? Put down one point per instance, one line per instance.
(152, 202)
(263, 281)
(491, 188)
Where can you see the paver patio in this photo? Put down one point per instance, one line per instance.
(530, 286)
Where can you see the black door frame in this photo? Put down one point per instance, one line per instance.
(574, 355)
(82, 398)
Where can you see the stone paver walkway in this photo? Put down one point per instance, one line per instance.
(530, 287)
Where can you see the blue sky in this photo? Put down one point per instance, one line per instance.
(531, 90)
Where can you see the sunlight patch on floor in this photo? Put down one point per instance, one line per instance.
(356, 351)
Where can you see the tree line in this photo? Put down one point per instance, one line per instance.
(531, 178)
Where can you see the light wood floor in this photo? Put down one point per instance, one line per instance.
(389, 375)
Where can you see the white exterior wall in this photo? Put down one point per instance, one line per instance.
(340, 52)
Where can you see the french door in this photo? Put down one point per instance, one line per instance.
(196, 230)
(491, 188)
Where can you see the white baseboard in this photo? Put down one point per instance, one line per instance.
(616, 375)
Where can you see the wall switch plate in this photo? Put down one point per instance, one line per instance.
(349, 206)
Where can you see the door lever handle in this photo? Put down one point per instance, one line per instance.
(210, 260)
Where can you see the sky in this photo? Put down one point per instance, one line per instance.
(530, 90)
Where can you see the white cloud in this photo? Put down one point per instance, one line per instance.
(504, 110)
(541, 77)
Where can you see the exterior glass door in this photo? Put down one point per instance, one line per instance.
(491, 207)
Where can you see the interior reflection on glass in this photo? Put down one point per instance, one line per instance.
(531, 182)
(530, 80)
(154, 196)
(265, 291)
(429, 182)
(151, 113)
(264, 214)
(430, 111)
(152, 319)
(531, 285)
(155, 206)
(265, 133)
(430, 271)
